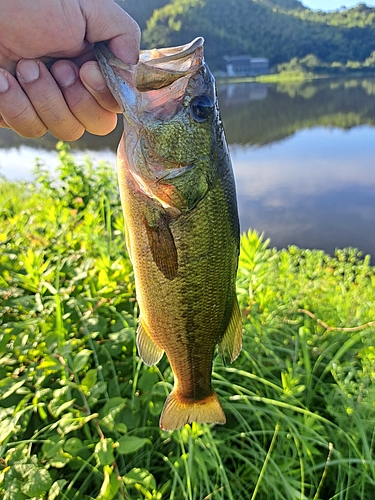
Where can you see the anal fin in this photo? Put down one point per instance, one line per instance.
(150, 353)
(177, 413)
(231, 343)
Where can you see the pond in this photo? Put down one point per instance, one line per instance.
(303, 156)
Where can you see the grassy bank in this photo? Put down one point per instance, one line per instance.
(285, 76)
(79, 411)
(294, 76)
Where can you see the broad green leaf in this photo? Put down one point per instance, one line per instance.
(9, 386)
(56, 488)
(104, 452)
(130, 444)
(72, 445)
(156, 407)
(110, 486)
(111, 410)
(49, 363)
(121, 427)
(56, 406)
(89, 380)
(60, 459)
(120, 334)
(116, 403)
(25, 468)
(68, 423)
(38, 482)
(96, 391)
(7, 427)
(140, 476)
(13, 491)
(81, 359)
(52, 445)
(148, 379)
(58, 393)
(132, 417)
(6, 412)
(17, 454)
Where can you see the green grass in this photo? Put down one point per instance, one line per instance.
(291, 76)
(284, 76)
(79, 411)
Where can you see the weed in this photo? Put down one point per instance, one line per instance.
(79, 411)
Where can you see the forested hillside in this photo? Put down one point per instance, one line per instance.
(277, 29)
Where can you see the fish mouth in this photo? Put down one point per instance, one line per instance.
(156, 68)
(148, 85)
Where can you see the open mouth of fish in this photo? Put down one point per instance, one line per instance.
(156, 69)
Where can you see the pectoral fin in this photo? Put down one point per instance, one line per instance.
(150, 353)
(231, 343)
(162, 245)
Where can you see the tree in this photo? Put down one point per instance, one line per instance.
(276, 29)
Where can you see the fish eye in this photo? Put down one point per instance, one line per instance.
(200, 108)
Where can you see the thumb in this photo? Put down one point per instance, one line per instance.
(106, 21)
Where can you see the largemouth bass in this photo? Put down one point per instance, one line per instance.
(182, 230)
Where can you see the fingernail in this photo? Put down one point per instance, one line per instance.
(63, 73)
(92, 76)
(28, 70)
(4, 82)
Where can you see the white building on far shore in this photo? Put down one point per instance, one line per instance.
(246, 66)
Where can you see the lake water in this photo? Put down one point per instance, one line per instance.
(303, 156)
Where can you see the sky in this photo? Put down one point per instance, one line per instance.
(335, 4)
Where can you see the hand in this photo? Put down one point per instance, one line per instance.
(49, 79)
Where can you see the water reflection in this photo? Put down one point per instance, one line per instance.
(303, 156)
(286, 109)
(315, 190)
(242, 93)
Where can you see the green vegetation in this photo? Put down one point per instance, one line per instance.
(286, 76)
(280, 30)
(79, 411)
(141, 10)
(311, 65)
(359, 16)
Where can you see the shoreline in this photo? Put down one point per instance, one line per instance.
(291, 76)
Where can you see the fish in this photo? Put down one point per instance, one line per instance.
(182, 230)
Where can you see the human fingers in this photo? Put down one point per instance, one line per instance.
(105, 20)
(95, 109)
(48, 100)
(3, 123)
(16, 110)
(92, 78)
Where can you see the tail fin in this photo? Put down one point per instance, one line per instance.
(176, 413)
